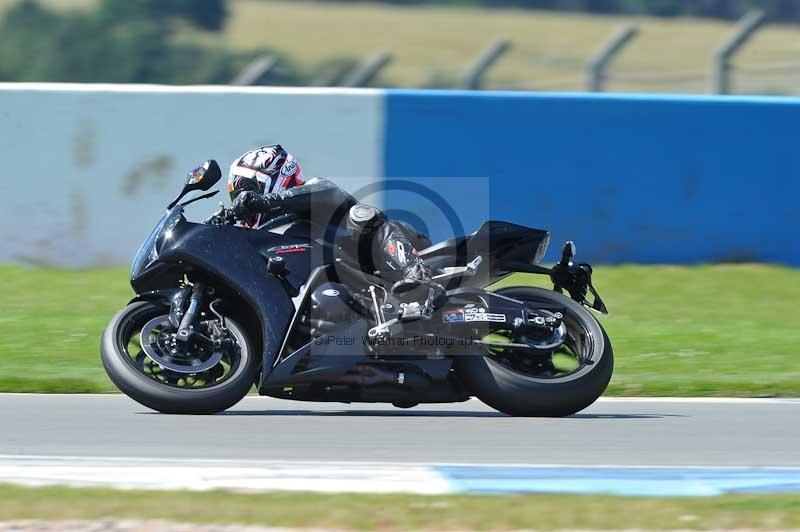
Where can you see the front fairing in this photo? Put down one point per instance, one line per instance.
(147, 256)
(231, 260)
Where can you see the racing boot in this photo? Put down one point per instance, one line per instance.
(396, 258)
(418, 293)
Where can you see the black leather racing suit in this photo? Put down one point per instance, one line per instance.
(382, 245)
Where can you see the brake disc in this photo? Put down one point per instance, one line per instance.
(153, 351)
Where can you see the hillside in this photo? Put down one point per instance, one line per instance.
(549, 52)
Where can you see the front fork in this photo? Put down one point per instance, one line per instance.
(184, 311)
(182, 317)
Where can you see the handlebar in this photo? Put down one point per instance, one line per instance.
(224, 216)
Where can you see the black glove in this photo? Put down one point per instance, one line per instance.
(249, 203)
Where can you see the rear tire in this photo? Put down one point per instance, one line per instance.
(162, 397)
(517, 394)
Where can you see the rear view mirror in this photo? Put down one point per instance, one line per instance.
(203, 177)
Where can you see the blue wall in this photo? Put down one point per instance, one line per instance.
(629, 178)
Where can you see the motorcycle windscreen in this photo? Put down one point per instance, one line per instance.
(148, 251)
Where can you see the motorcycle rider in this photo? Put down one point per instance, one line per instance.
(267, 182)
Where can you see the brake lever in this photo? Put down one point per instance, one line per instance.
(222, 216)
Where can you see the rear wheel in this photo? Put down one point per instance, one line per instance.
(560, 382)
(142, 361)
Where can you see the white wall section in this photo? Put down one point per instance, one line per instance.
(87, 169)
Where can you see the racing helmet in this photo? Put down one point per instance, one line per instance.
(269, 169)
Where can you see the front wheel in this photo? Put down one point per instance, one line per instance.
(144, 364)
(552, 384)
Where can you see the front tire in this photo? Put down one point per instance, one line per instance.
(519, 394)
(123, 367)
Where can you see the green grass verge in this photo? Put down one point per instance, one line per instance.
(50, 327)
(731, 330)
(405, 512)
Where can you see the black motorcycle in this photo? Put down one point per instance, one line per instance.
(220, 308)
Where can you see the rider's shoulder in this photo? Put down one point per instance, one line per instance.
(315, 184)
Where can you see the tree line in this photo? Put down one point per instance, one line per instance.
(121, 41)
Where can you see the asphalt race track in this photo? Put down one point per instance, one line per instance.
(613, 431)
(614, 439)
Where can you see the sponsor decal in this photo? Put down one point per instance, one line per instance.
(289, 168)
(473, 313)
(451, 316)
(283, 250)
(330, 292)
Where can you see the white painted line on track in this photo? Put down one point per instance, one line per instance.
(611, 399)
(207, 475)
(703, 400)
(137, 460)
(370, 477)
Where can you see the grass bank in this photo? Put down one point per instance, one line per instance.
(406, 512)
(550, 49)
(728, 330)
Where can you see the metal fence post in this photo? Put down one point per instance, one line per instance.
(366, 71)
(489, 56)
(721, 67)
(330, 77)
(596, 68)
(256, 71)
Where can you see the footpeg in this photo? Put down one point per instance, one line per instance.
(411, 311)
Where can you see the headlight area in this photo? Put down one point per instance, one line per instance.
(148, 251)
(166, 233)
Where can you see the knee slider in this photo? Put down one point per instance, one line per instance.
(361, 215)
